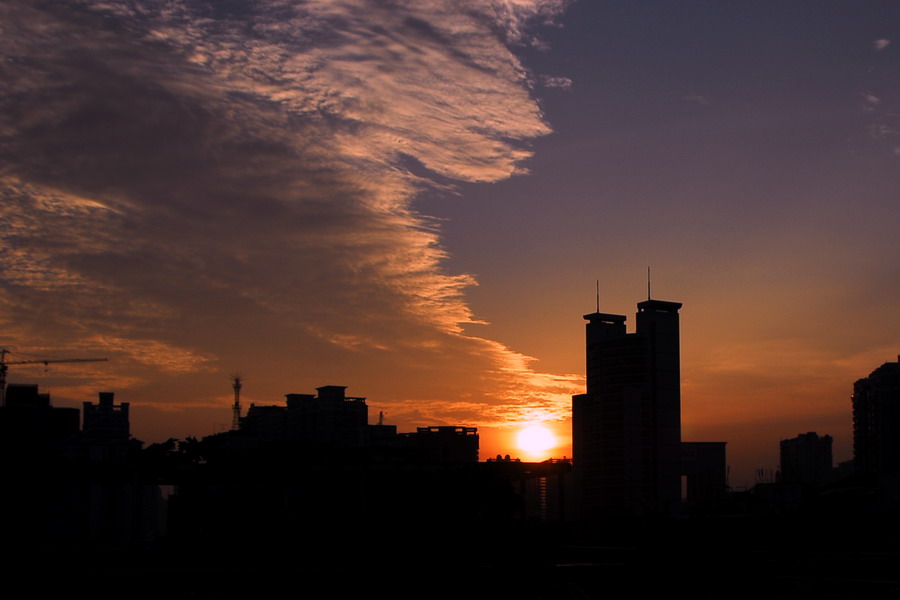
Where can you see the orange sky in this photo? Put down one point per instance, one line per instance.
(415, 201)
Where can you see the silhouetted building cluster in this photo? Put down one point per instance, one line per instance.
(626, 430)
(314, 462)
(807, 481)
(445, 443)
(30, 426)
(806, 459)
(312, 478)
(545, 488)
(70, 483)
(32, 429)
(328, 418)
(332, 420)
(805, 471)
(313, 468)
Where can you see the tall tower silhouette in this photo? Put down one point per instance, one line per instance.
(236, 384)
(626, 430)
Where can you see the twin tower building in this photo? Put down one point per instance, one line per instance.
(626, 430)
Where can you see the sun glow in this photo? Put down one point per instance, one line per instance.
(536, 439)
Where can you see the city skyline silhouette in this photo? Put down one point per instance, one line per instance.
(282, 284)
(413, 200)
(310, 477)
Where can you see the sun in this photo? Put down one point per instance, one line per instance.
(535, 439)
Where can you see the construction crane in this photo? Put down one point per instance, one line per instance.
(4, 367)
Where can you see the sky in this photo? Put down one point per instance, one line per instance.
(415, 199)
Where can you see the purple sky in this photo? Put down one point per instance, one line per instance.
(414, 199)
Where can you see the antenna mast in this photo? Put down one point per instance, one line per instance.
(648, 283)
(236, 382)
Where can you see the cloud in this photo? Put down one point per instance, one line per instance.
(557, 82)
(881, 130)
(870, 101)
(187, 183)
(881, 44)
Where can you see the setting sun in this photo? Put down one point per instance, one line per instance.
(535, 439)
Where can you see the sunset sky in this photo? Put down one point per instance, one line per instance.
(415, 198)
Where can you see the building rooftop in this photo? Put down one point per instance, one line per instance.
(605, 317)
(659, 306)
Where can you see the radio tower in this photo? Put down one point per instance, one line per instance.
(236, 409)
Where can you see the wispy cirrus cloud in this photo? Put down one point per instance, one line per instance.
(564, 83)
(194, 179)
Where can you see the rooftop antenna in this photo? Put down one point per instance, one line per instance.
(648, 283)
(598, 295)
(236, 382)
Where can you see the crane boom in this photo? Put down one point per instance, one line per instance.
(39, 361)
(53, 360)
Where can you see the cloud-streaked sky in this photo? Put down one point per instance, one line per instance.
(414, 199)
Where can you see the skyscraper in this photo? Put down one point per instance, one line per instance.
(876, 420)
(626, 430)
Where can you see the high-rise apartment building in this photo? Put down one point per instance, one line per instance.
(626, 430)
(105, 434)
(806, 459)
(876, 420)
